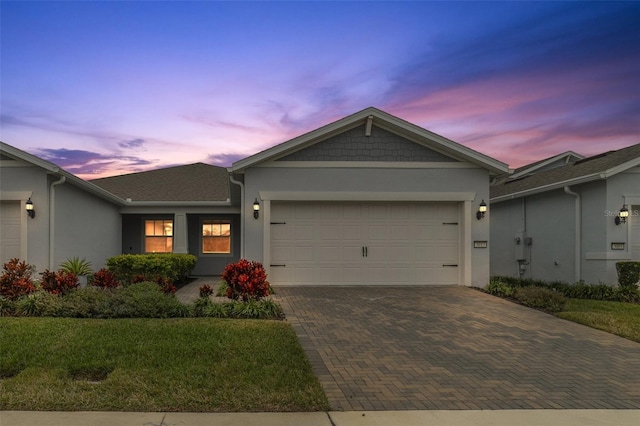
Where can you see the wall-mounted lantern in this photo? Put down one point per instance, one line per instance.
(256, 209)
(623, 214)
(482, 209)
(29, 207)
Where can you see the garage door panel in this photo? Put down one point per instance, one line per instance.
(404, 243)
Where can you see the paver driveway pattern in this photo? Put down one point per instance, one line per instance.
(449, 348)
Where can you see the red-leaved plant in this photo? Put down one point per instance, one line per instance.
(58, 282)
(246, 280)
(167, 285)
(105, 279)
(206, 290)
(16, 280)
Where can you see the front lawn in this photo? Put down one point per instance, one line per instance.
(618, 318)
(186, 364)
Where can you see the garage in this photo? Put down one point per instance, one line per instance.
(373, 243)
(10, 243)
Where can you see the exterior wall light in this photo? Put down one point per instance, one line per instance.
(29, 207)
(482, 209)
(256, 209)
(623, 214)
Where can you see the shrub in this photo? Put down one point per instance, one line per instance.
(34, 304)
(628, 273)
(105, 279)
(7, 307)
(246, 280)
(499, 288)
(206, 290)
(172, 266)
(166, 285)
(143, 300)
(58, 282)
(76, 266)
(16, 280)
(540, 298)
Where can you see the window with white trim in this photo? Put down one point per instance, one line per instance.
(216, 236)
(158, 236)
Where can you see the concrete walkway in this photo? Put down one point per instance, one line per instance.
(455, 348)
(348, 418)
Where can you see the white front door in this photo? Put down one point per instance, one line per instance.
(322, 243)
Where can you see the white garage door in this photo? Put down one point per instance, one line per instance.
(10, 215)
(323, 243)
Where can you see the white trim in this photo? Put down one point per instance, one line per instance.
(365, 196)
(370, 164)
(466, 255)
(266, 234)
(621, 167)
(177, 203)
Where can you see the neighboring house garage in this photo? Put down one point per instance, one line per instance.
(10, 230)
(369, 199)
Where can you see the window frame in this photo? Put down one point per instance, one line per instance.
(145, 236)
(215, 221)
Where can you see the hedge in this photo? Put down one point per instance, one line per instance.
(149, 267)
(628, 273)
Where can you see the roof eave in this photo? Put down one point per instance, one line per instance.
(548, 187)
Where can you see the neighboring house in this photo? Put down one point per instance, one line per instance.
(185, 209)
(556, 219)
(369, 199)
(72, 217)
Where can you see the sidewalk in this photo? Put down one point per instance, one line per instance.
(332, 418)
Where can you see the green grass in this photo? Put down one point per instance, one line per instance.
(618, 318)
(190, 364)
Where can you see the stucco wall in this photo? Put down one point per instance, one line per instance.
(386, 180)
(86, 226)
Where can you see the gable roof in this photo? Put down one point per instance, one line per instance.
(383, 120)
(565, 157)
(12, 152)
(195, 183)
(601, 166)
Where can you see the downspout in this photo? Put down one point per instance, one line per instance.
(52, 220)
(578, 236)
(241, 185)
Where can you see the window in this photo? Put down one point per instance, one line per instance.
(158, 236)
(216, 236)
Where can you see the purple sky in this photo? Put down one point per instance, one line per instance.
(104, 88)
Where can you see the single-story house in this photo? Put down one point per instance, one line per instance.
(560, 218)
(367, 199)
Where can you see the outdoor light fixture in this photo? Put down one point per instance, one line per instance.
(623, 214)
(29, 207)
(256, 209)
(482, 209)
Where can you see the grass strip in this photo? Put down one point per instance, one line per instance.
(618, 318)
(187, 364)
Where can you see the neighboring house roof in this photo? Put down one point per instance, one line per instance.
(12, 152)
(190, 183)
(547, 163)
(368, 117)
(597, 167)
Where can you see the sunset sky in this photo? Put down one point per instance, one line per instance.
(104, 88)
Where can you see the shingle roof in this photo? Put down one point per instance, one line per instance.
(582, 170)
(192, 182)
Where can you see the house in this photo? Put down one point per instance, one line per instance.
(559, 218)
(70, 216)
(367, 199)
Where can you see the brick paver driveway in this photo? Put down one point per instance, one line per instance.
(399, 348)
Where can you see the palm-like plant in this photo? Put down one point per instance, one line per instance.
(76, 266)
